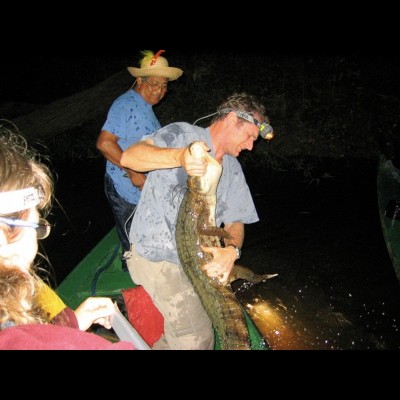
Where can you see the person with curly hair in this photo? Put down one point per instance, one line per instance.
(26, 321)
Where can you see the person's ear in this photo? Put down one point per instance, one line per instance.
(232, 118)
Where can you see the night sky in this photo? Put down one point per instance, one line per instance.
(47, 55)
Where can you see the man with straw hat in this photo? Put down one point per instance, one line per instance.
(130, 117)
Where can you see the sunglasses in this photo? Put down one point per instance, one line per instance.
(43, 228)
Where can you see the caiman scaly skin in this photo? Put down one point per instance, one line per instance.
(196, 226)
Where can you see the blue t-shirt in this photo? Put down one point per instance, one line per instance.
(153, 225)
(130, 117)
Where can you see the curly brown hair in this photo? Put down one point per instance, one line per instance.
(21, 167)
(18, 304)
(244, 102)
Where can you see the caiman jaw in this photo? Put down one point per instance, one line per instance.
(207, 184)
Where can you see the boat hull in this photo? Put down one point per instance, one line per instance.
(388, 189)
(100, 274)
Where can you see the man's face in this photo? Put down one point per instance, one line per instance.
(152, 88)
(246, 134)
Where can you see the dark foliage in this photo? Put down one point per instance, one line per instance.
(331, 106)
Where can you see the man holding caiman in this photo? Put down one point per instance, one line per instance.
(153, 260)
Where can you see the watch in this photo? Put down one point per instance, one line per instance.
(238, 251)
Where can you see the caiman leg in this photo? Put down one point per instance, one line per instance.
(204, 227)
(239, 272)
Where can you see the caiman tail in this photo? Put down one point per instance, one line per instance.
(219, 302)
(195, 227)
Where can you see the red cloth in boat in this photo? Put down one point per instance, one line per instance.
(143, 314)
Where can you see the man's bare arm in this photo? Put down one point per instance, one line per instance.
(144, 156)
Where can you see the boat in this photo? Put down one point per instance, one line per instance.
(388, 189)
(99, 273)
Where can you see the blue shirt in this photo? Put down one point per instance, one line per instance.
(153, 225)
(130, 117)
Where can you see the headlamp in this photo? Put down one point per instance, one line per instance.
(265, 129)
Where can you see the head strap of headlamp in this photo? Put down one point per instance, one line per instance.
(264, 127)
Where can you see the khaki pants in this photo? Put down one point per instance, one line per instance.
(186, 324)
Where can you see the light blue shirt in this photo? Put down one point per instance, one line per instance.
(130, 117)
(153, 225)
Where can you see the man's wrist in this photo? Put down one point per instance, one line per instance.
(238, 250)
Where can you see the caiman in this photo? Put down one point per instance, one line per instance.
(196, 226)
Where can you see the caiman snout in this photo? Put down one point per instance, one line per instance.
(205, 185)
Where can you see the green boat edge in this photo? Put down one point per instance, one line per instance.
(388, 188)
(100, 274)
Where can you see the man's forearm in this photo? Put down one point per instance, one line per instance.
(144, 156)
(236, 231)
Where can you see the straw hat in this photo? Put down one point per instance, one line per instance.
(154, 65)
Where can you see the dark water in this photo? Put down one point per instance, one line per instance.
(319, 230)
(81, 215)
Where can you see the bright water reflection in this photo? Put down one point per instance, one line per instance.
(336, 287)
